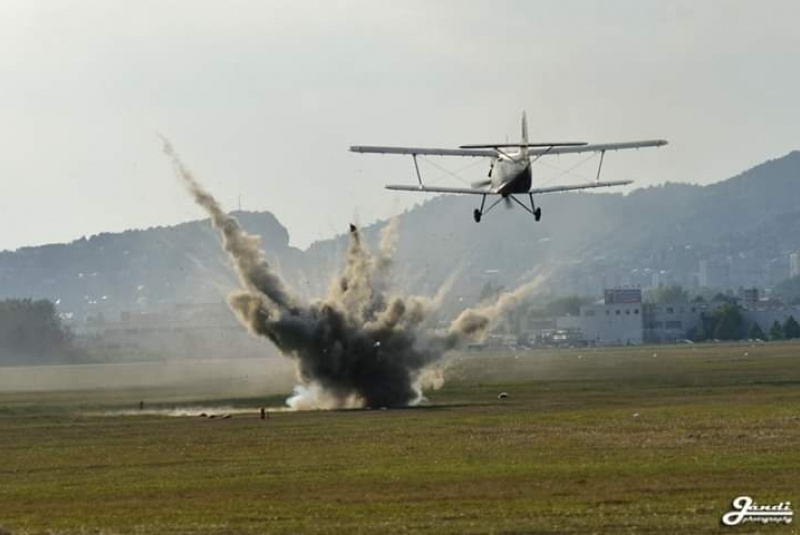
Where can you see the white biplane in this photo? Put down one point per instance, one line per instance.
(510, 168)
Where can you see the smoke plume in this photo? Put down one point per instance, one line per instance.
(359, 346)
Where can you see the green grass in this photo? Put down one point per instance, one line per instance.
(588, 441)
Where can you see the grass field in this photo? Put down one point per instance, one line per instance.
(632, 440)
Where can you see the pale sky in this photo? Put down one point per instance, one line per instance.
(263, 98)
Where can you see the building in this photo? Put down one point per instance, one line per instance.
(669, 322)
(191, 331)
(715, 272)
(616, 321)
(615, 324)
(622, 296)
(702, 274)
(749, 297)
(623, 319)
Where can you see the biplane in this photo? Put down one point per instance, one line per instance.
(509, 168)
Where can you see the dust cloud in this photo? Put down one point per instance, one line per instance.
(360, 345)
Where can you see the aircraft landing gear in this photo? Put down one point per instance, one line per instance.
(533, 210)
(537, 212)
(479, 212)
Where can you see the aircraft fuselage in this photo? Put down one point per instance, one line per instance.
(511, 174)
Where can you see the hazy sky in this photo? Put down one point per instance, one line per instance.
(263, 98)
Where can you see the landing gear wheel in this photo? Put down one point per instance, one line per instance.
(477, 215)
(537, 214)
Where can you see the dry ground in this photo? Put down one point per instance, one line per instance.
(632, 440)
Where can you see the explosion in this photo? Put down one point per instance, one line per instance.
(359, 346)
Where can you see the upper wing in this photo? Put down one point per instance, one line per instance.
(535, 191)
(484, 151)
(601, 147)
(423, 151)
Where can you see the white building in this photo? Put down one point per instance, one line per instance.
(612, 324)
(668, 322)
(623, 319)
(702, 274)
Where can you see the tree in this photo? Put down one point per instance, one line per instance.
(755, 332)
(31, 331)
(776, 332)
(697, 334)
(721, 297)
(728, 322)
(670, 294)
(791, 329)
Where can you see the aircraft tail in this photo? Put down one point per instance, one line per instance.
(524, 147)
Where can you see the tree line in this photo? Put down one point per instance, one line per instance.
(31, 332)
(728, 323)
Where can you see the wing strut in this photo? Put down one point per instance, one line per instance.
(602, 155)
(416, 167)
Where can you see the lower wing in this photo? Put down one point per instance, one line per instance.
(535, 191)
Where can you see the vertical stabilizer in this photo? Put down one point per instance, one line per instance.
(524, 148)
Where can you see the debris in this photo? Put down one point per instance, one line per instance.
(502, 395)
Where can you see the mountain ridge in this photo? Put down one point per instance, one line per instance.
(740, 227)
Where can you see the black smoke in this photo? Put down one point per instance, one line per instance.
(359, 346)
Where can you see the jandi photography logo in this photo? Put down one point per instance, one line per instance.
(746, 510)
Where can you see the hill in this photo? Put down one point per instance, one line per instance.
(738, 232)
(137, 269)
